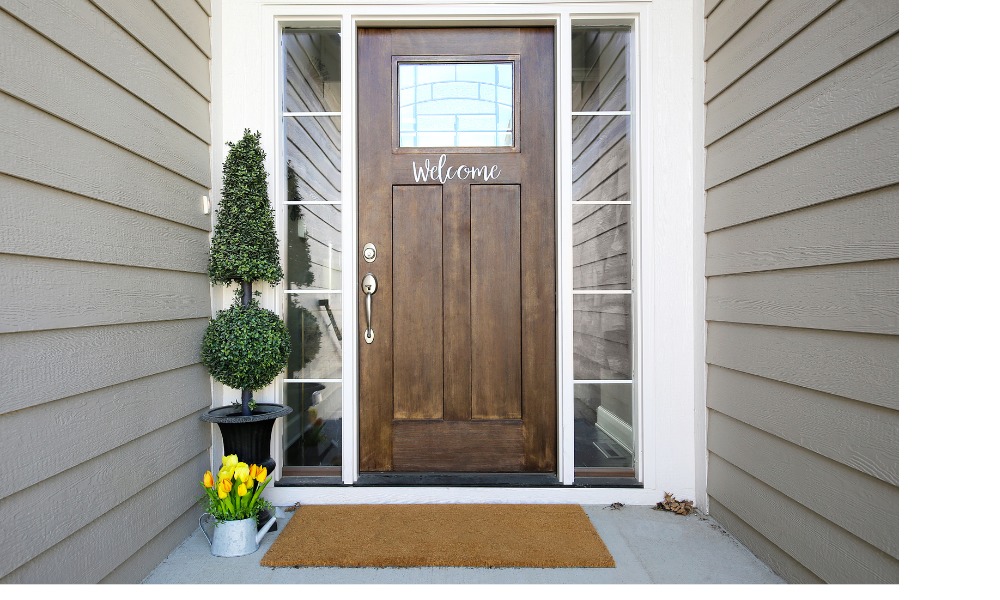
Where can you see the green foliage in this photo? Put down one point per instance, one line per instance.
(299, 259)
(244, 242)
(245, 347)
(305, 330)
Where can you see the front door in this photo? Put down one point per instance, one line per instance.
(457, 231)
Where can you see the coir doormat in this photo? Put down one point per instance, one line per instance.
(439, 535)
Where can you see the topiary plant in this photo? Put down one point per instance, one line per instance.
(245, 346)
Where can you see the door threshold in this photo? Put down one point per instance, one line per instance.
(457, 480)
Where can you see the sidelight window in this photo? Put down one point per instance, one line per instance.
(311, 119)
(603, 368)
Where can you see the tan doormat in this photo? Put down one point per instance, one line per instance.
(439, 535)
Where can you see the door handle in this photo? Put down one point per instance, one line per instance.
(368, 285)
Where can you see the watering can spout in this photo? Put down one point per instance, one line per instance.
(265, 528)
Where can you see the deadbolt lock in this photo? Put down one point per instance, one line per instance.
(369, 252)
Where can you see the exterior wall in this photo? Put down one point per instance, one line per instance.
(802, 300)
(104, 121)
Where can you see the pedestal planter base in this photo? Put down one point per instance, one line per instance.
(248, 437)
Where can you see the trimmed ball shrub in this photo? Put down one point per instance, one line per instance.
(245, 347)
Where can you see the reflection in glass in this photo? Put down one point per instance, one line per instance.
(312, 70)
(602, 424)
(602, 336)
(600, 68)
(601, 156)
(316, 325)
(456, 104)
(313, 430)
(601, 247)
(312, 149)
(313, 244)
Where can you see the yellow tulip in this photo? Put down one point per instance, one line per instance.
(261, 474)
(225, 486)
(242, 472)
(207, 480)
(230, 461)
(226, 474)
(242, 490)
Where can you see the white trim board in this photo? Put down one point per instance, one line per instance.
(665, 236)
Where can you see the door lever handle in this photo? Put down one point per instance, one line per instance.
(368, 286)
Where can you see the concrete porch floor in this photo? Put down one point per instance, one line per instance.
(649, 546)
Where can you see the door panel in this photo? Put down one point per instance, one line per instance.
(460, 373)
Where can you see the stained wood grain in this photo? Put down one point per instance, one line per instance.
(496, 302)
(865, 506)
(148, 24)
(120, 532)
(67, 226)
(86, 32)
(860, 159)
(846, 30)
(418, 330)
(841, 558)
(93, 167)
(91, 424)
(862, 297)
(36, 523)
(860, 366)
(78, 294)
(858, 228)
(48, 365)
(458, 446)
(858, 91)
(858, 435)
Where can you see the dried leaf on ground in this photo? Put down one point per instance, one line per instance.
(671, 504)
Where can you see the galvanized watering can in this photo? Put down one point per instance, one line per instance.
(235, 538)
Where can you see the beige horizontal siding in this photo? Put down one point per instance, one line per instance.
(154, 30)
(724, 22)
(863, 505)
(106, 481)
(103, 258)
(867, 230)
(63, 86)
(73, 227)
(97, 549)
(846, 30)
(84, 31)
(861, 436)
(861, 90)
(802, 298)
(827, 550)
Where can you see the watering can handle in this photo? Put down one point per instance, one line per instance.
(201, 522)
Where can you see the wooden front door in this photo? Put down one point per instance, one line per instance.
(457, 196)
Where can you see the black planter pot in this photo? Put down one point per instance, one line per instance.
(249, 436)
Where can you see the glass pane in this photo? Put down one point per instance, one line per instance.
(602, 336)
(600, 68)
(601, 159)
(601, 247)
(312, 149)
(456, 104)
(313, 247)
(602, 425)
(313, 430)
(312, 70)
(316, 325)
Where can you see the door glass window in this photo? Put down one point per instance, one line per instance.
(444, 105)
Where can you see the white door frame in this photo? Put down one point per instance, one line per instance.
(668, 239)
